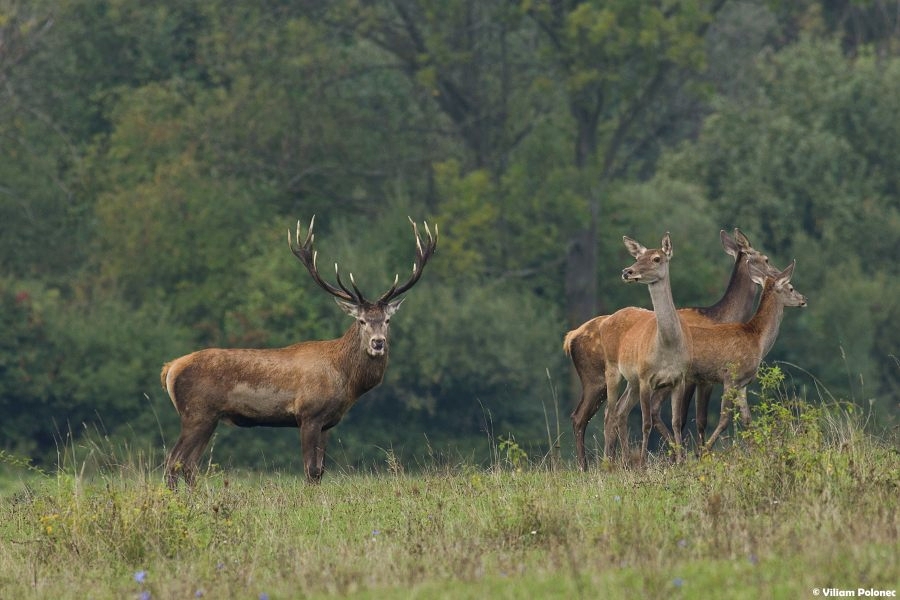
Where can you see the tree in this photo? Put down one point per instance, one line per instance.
(811, 168)
(619, 62)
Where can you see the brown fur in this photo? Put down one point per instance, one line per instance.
(309, 385)
(731, 353)
(583, 344)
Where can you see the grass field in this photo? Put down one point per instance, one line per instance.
(804, 500)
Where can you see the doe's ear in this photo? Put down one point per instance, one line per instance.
(666, 245)
(785, 276)
(757, 273)
(741, 239)
(731, 247)
(391, 307)
(634, 248)
(348, 307)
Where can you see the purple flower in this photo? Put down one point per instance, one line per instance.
(263, 596)
(198, 594)
(678, 582)
(145, 595)
(140, 576)
(682, 543)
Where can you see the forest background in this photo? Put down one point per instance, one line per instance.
(153, 155)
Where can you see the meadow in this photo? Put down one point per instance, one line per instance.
(803, 502)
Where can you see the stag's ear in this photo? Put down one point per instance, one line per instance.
(634, 248)
(348, 307)
(391, 307)
(666, 245)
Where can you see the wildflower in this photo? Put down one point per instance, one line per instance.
(140, 576)
(145, 595)
(682, 543)
(263, 596)
(198, 594)
(678, 582)
(617, 498)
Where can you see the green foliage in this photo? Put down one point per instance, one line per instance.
(797, 172)
(152, 156)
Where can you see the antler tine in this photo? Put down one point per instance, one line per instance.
(423, 253)
(357, 295)
(307, 256)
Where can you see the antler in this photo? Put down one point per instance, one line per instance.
(305, 253)
(423, 253)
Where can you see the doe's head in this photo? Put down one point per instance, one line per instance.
(651, 265)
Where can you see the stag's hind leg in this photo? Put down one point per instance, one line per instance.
(186, 452)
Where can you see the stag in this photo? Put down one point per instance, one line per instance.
(731, 353)
(584, 347)
(309, 385)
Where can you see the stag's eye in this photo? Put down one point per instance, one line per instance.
(656, 259)
(362, 321)
(386, 321)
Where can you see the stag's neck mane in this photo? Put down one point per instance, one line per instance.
(737, 303)
(363, 371)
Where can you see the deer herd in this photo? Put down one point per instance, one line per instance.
(660, 353)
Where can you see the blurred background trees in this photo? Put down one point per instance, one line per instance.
(153, 155)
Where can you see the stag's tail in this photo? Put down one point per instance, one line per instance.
(168, 383)
(567, 341)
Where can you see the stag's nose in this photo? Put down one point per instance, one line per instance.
(378, 344)
(627, 273)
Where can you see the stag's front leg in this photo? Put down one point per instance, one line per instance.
(312, 444)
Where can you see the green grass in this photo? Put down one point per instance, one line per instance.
(805, 499)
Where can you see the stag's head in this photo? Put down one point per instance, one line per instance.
(373, 317)
(651, 265)
(780, 283)
(740, 248)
